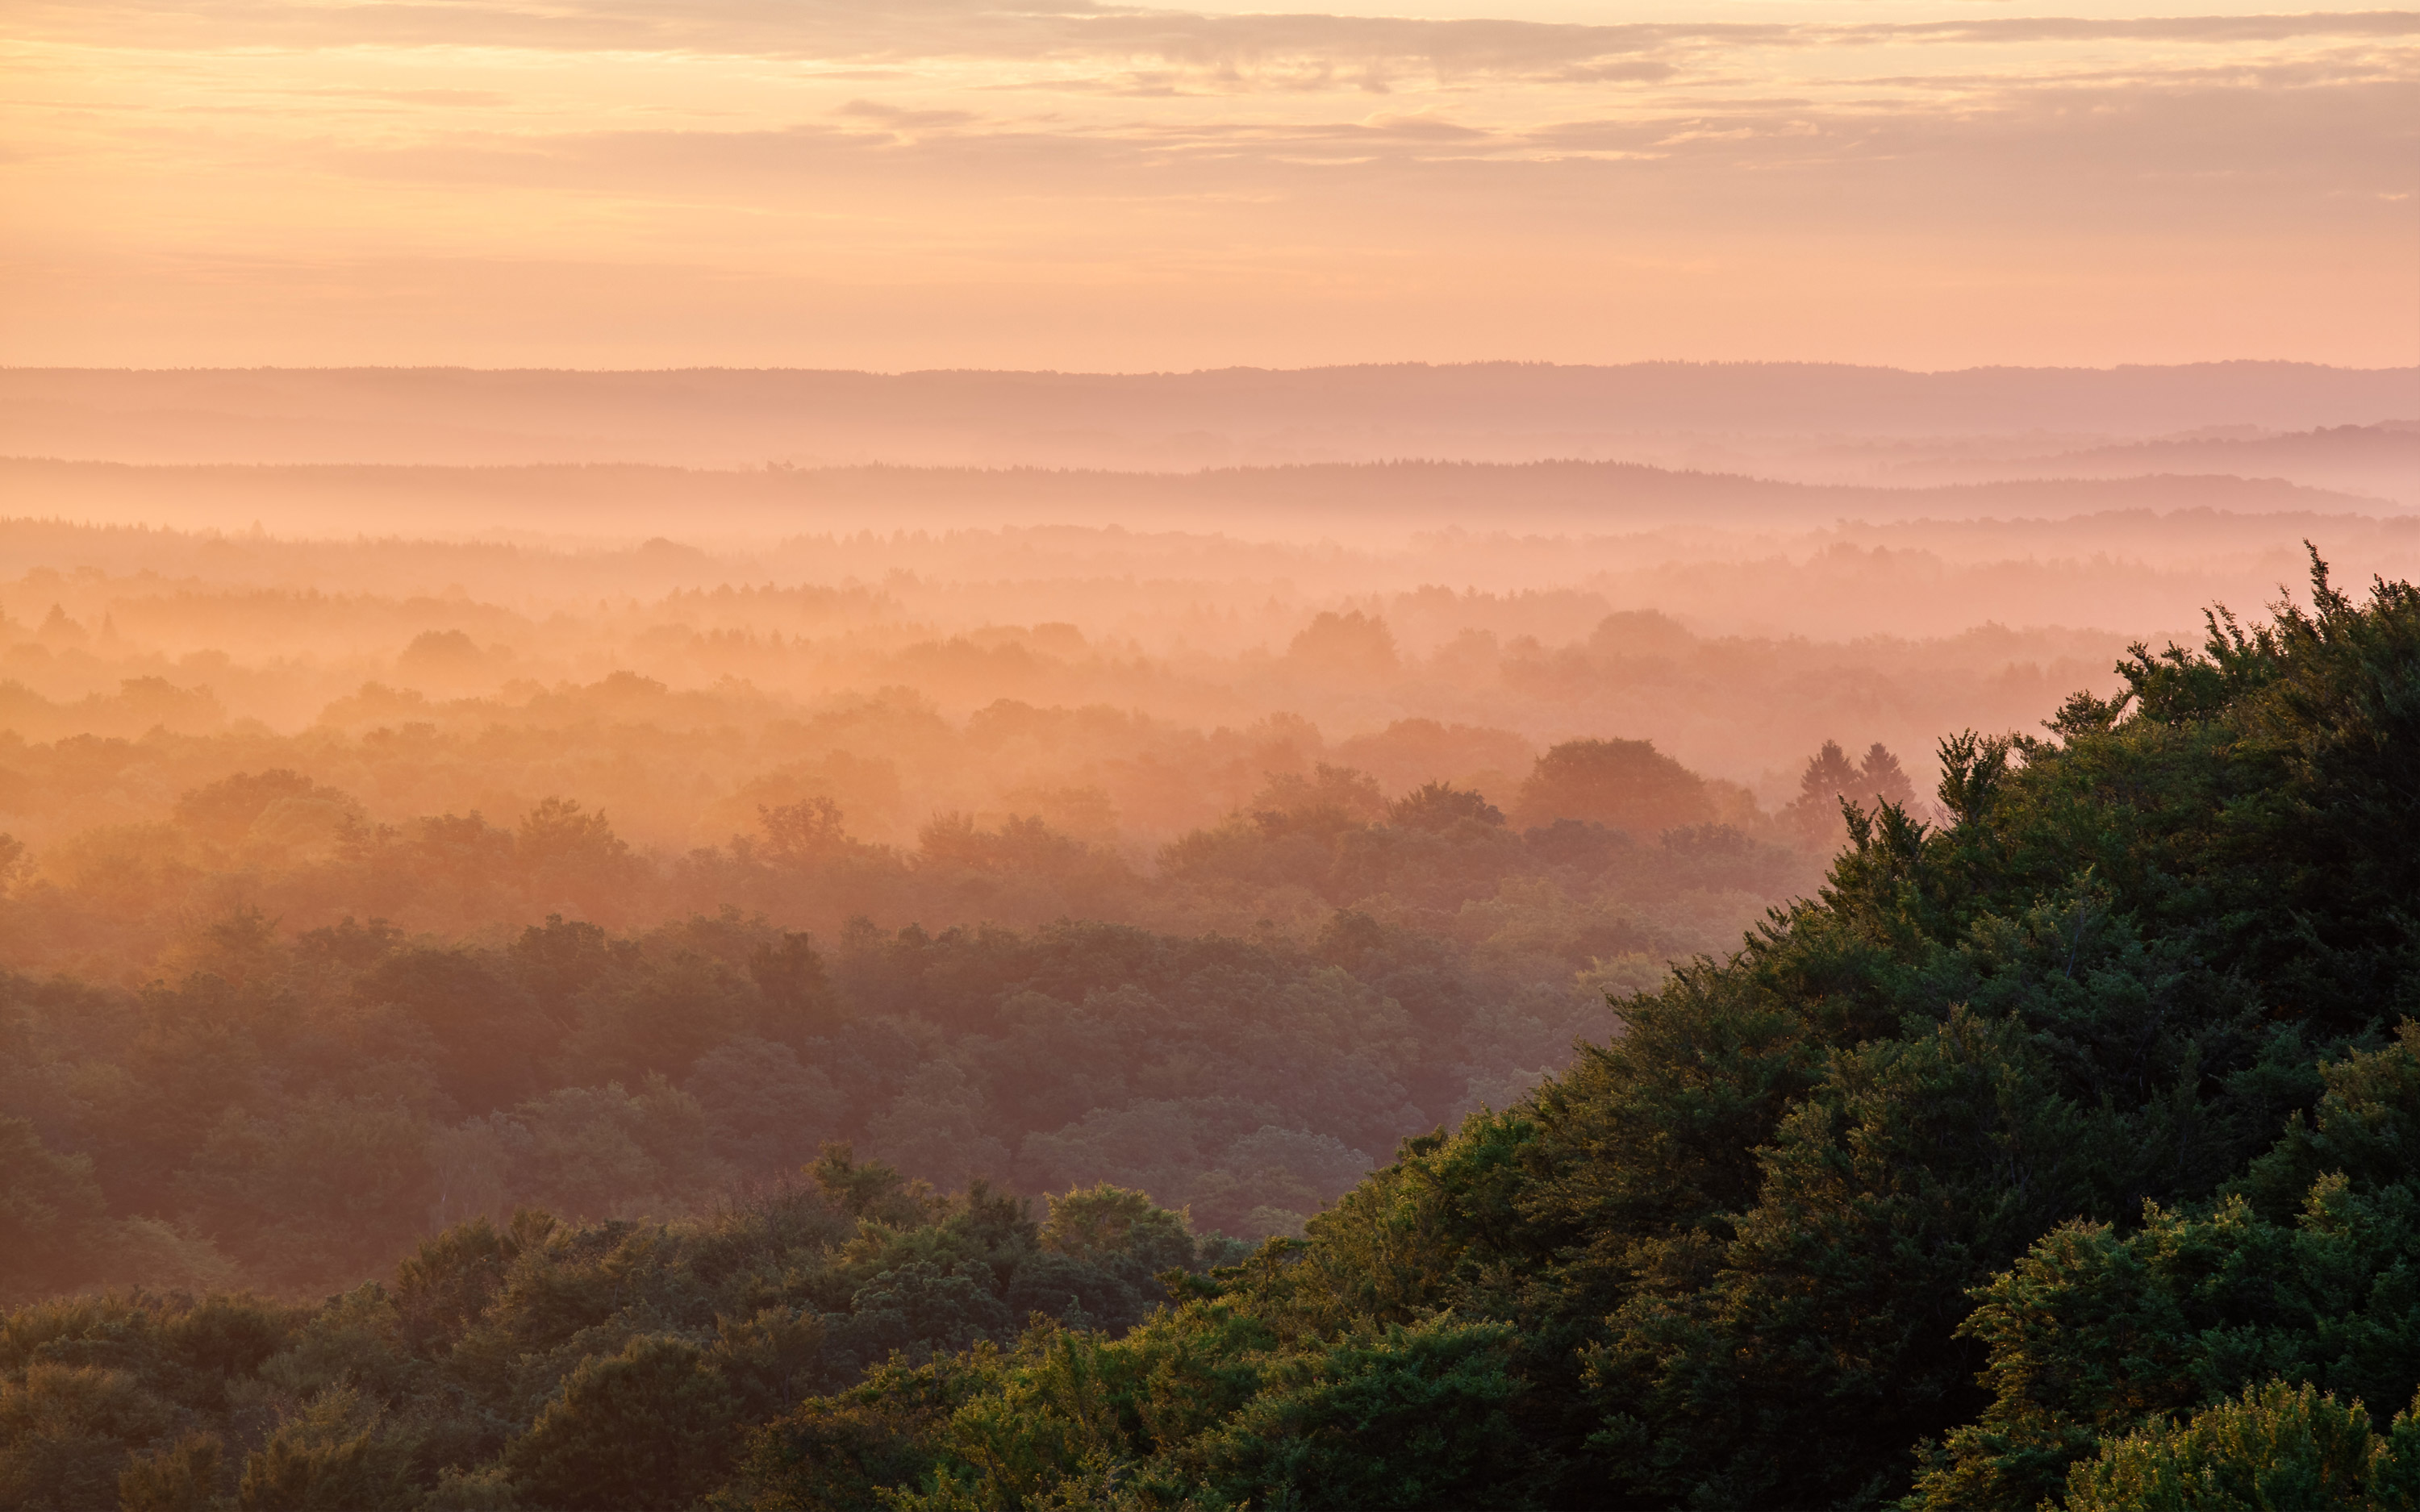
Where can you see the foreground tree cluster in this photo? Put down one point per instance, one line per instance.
(2058, 1153)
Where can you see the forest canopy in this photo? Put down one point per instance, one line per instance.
(2053, 1149)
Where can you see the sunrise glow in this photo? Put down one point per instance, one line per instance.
(936, 183)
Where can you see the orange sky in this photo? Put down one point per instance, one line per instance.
(952, 183)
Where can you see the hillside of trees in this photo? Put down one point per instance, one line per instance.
(2052, 1148)
(294, 1105)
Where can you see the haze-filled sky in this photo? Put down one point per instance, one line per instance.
(954, 182)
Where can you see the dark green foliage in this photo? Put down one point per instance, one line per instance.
(651, 1427)
(331, 1455)
(1836, 1297)
(839, 1451)
(1202, 1406)
(865, 1190)
(1401, 1418)
(2094, 1335)
(554, 1365)
(2276, 1447)
(921, 1302)
(440, 1290)
(1108, 1225)
(1777, 1189)
(222, 1336)
(182, 1477)
(66, 1430)
(1101, 1257)
(89, 1384)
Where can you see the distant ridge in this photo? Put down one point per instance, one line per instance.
(1499, 411)
(611, 499)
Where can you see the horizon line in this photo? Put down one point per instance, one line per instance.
(1409, 366)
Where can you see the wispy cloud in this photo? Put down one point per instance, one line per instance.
(2136, 163)
(903, 30)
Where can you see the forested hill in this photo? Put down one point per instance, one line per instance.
(2020, 1164)
(2059, 1153)
(1379, 498)
(708, 415)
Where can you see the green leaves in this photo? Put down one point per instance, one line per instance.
(1198, 1408)
(1405, 1417)
(1804, 1349)
(2093, 1335)
(1974, 770)
(2276, 1446)
(332, 1455)
(652, 1426)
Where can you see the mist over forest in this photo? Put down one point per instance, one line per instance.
(1690, 935)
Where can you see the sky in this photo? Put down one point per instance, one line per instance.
(956, 184)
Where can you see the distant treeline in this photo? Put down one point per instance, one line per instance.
(1383, 497)
(1617, 843)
